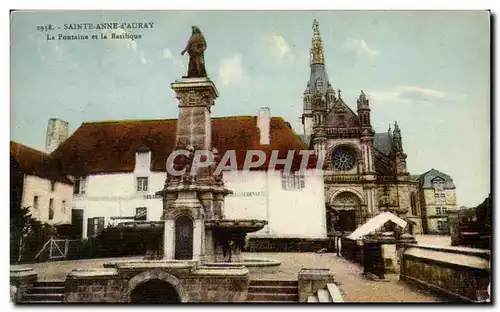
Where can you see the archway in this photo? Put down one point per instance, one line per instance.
(346, 212)
(183, 238)
(154, 291)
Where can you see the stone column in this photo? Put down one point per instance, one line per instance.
(389, 253)
(21, 279)
(169, 239)
(404, 242)
(198, 237)
(207, 200)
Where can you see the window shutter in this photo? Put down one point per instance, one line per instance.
(100, 225)
(90, 227)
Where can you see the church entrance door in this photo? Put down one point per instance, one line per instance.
(348, 212)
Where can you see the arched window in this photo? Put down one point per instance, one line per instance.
(413, 204)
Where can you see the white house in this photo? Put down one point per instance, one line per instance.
(119, 166)
(40, 185)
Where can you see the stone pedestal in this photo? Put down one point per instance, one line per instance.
(312, 280)
(20, 281)
(196, 97)
(389, 254)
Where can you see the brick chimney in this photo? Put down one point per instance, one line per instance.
(264, 124)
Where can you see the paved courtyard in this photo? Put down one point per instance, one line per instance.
(347, 274)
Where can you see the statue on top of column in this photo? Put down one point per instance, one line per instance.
(196, 48)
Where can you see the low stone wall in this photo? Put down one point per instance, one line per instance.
(214, 285)
(462, 274)
(312, 280)
(268, 244)
(98, 285)
(116, 281)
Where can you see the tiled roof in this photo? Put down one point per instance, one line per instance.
(383, 143)
(427, 178)
(37, 163)
(110, 146)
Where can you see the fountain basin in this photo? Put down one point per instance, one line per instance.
(254, 265)
(235, 225)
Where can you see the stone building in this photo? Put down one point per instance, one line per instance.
(38, 182)
(118, 166)
(437, 198)
(364, 171)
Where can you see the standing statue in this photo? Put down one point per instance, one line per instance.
(196, 48)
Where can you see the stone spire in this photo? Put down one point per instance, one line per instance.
(317, 55)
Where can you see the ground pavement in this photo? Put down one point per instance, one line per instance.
(347, 274)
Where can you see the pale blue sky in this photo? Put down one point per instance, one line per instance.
(429, 70)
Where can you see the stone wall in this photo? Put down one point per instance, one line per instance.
(206, 287)
(463, 274)
(269, 244)
(20, 281)
(92, 286)
(116, 282)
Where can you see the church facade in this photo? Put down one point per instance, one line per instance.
(364, 171)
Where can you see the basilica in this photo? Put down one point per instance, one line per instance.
(364, 171)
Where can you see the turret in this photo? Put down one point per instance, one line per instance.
(330, 96)
(307, 117)
(364, 110)
(397, 151)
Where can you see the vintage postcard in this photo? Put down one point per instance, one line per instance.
(250, 156)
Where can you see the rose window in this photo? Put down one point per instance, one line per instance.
(343, 159)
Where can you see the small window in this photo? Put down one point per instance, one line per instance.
(438, 211)
(443, 211)
(79, 186)
(440, 225)
(142, 184)
(292, 181)
(51, 209)
(63, 206)
(35, 202)
(52, 186)
(141, 214)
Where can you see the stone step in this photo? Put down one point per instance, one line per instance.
(266, 302)
(274, 289)
(46, 290)
(323, 296)
(335, 292)
(50, 284)
(312, 299)
(272, 297)
(39, 302)
(273, 283)
(43, 297)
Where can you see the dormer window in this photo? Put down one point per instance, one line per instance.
(143, 159)
(80, 185)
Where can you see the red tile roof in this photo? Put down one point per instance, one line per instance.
(110, 146)
(37, 163)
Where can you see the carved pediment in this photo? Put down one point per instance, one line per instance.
(341, 116)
